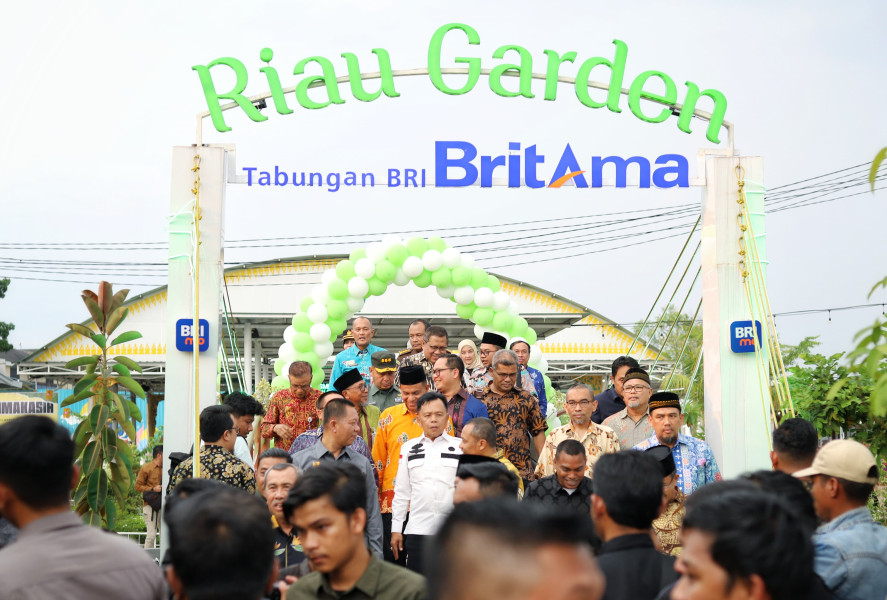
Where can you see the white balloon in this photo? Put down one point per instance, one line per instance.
(412, 266)
(328, 276)
(317, 313)
(513, 309)
(535, 356)
(467, 261)
(354, 304)
(451, 257)
(320, 294)
(483, 297)
(401, 278)
(323, 349)
(542, 365)
(365, 268)
(446, 292)
(288, 334)
(357, 287)
(500, 301)
(376, 251)
(479, 331)
(432, 260)
(286, 352)
(285, 371)
(464, 295)
(320, 332)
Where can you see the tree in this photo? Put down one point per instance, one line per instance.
(105, 459)
(5, 328)
(844, 411)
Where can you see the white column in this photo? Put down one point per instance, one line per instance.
(182, 409)
(257, 353)
(248, 357)
(736, 397)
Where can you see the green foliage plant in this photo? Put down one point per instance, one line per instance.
(106, 475)
(5, 328)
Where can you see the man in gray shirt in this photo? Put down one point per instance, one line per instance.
(56, 555)
(340, 427)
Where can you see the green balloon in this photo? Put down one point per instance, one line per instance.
(530, 336)
(518, 327)
(442, 277)
(338, 289)
(494, 284)
(397, 254)
(318, 378)
(358, 254)
(547, 380)
(301, 322)
(385, 270)
(302, 342)
(423, 280)
(502, 321)
(311, 358)
(437, 243)
(345, 270)
(278, 366)
(461, 276)
(417, 246)
(466, 311)
(337, 326)
(280, 382)
(478, 278)
(377, 286)
(336, 309)
(305, 302)
(483, 316)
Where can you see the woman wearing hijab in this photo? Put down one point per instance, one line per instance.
(469, 355)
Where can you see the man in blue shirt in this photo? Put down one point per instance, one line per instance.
(522, 349)
(358, 356)
(693, 458)
(609, 402)
(850, 549)
(461, 406)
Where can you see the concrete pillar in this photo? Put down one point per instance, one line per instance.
(737, 424)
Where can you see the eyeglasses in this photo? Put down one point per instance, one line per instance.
(437, 348)
(437, 372)
(635, 388)
(487, 352)
(573, 403)
(305, 386)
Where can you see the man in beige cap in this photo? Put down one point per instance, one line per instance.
(851, 549)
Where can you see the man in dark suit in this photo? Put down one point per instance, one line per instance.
(627, 497)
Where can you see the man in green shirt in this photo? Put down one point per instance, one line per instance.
(383, 393)
(326, 507)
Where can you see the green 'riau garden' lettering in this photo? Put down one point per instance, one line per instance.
(236, 93)
(434, 69)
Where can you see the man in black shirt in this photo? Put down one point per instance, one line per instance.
(609, 402)
(627, 497)
(568, 487)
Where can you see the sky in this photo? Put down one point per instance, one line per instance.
(96, 95)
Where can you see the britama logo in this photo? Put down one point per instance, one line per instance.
(456, 165)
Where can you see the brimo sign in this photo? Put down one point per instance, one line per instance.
(639, 89)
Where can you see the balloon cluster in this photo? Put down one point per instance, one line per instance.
(368, 272)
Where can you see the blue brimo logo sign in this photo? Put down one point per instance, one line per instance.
(457, 164)
(184, 339)
(742, 336)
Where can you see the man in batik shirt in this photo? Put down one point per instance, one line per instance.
(217, 460)
(291, 411)
(596, 439)
(693, 458)
(514, 412)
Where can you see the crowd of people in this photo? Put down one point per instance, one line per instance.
(434, 474)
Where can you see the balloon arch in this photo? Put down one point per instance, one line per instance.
(343, 290)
